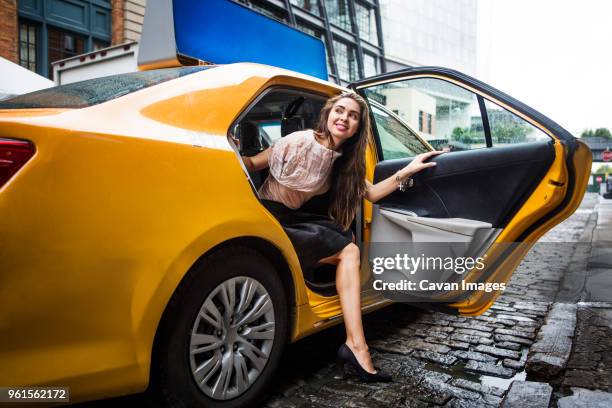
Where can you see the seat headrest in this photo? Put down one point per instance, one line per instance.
(290, 125)
(249, 136)
(290, 122)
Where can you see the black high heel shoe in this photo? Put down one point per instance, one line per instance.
(346, 356)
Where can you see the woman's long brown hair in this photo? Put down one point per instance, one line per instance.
(348, 174)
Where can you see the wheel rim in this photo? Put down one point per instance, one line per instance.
(232, 338)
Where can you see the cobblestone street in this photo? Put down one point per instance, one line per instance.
(444, 360)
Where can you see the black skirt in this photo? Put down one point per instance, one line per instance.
(313, 234)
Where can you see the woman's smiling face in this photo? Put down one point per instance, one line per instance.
(343, 120)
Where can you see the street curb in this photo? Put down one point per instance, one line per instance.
(527, 394)
(549, 355)
(575, 277)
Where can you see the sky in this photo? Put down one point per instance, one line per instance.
(553, 55)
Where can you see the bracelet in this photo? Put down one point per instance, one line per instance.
(403, 185)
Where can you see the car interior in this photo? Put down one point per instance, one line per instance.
(275, 114)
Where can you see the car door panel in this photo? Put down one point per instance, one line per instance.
(398, 230)
(426, 229)
(486, 185)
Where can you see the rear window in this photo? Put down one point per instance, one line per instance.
(94, 91)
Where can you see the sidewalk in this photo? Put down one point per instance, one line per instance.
(587, 380)
(572, 351)
(599, 283)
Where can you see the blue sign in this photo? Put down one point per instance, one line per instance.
(223, 32)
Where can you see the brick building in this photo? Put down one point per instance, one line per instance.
(34, 33)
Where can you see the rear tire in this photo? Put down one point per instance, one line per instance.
(211, 351)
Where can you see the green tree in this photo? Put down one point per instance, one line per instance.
(603, 132)
(509, 132)
(600, 132)
(467, 135)
(587, 133)
(604, 168)
(460, 134)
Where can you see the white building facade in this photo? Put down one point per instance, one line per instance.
(430, 32)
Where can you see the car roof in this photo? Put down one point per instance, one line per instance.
(194, 109)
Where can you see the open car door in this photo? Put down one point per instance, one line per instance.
(510, 175)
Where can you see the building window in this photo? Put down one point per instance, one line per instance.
(370, 65)
(304, 27)
(425, 122)
(346, 61)
(63, 44)
(338, 13)
(270, 11)
(312, 6)
(366, 21)
(99, 44)
(27, 45)
(85, 26)
(421, 114)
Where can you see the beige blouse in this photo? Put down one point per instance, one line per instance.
(300, 168)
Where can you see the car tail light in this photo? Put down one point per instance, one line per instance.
(13, 155)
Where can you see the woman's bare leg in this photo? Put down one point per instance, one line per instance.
(348, 287)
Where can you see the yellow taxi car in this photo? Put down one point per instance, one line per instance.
(135, 253)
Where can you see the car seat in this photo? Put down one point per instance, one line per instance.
(290, 122)
(250, 145)
(250, 139)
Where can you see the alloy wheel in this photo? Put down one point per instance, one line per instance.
(232, 337)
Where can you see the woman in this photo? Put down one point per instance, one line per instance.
(330, 158)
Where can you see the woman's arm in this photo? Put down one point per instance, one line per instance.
(375, 192)
(257, 162)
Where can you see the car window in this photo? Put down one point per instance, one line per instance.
(271, 131)
(508, 128)
(94, 91)
(397, 141)
(445, 115)
(449, 117)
